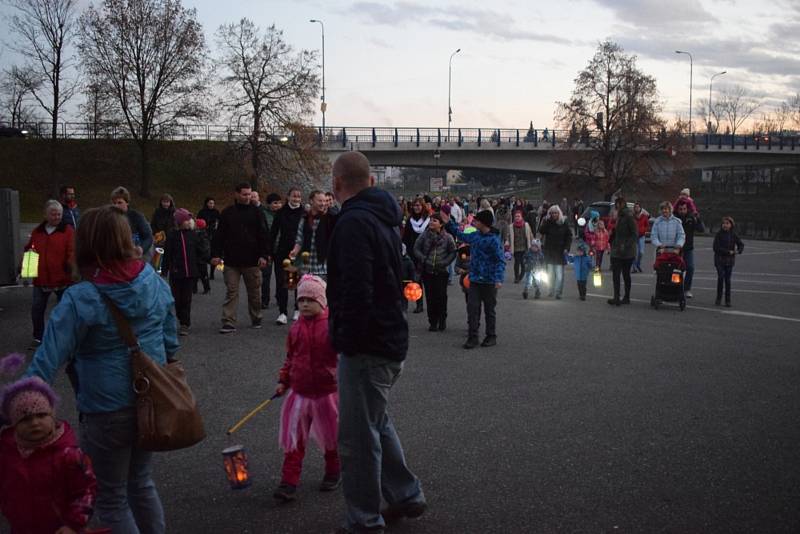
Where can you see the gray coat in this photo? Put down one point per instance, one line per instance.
(434, 252)
(625, 236)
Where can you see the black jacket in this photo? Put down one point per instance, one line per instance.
(241, 237)
(365, 292)
(691, 224)
(726, 246)
(177, 263)
(163, 220)
(284, 230)
(557, 239)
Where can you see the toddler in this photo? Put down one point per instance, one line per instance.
(600, 243)
(311, 407)
(726, 245)
(582, 263)
(534, 263)
(46, 481)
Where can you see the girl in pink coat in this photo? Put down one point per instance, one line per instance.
(311, 406)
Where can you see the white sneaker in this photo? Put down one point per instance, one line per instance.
(689, 295)
(281, 319)
(296, 315)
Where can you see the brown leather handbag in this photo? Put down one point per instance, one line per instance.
(166, 410)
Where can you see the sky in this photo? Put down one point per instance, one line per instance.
(386, 62)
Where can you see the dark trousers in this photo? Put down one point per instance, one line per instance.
(182, 293)
(582, 288)
(211, 269)
(519, 265)
(621, 266)
(201, 268)
(486, 295)
(724, 273)
(281, 291)
(38, 308)
(266, 275)
(436, 296)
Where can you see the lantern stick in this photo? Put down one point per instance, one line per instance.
(250, 415)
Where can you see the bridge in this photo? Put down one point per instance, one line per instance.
(533, 150)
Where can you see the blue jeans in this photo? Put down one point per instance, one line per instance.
(688, 257)
(639, 254)
(39, 307)
(555, 277)
(531, 281)
(127, 500)
(373, 464)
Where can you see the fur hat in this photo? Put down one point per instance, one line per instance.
(685, 191)
(182, 215)
(485, 216)
(27, 397)
(313, 287)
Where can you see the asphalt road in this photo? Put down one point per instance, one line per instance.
(584, 417)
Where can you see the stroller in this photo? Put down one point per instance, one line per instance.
(670, 271)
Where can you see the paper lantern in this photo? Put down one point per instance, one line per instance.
(597, 278)
(221, 266)
(412, 291)
(465, 281)
(306, 257)
(30, 264)
(292, 274)
(676, 277)
(156, 261)
(235, 461)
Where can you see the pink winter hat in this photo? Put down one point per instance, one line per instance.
(182, 215)
(313, 287)
(27, 397)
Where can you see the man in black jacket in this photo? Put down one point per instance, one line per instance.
(369, 329)
(242, 244)
(282, 237)
(691, 224)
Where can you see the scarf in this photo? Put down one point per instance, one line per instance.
(26, 448)
(293, 205)
(420, 225)
(519, 224)
(115, 274)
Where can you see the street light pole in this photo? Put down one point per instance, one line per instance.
(449, 86)
(324, 106)
(709, 97)
(691, 68)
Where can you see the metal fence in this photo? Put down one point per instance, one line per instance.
(333, 137)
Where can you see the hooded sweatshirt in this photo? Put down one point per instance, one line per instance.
(487, 264)
(81, 327)
(365, 294)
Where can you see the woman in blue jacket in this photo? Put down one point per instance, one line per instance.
(81, 330)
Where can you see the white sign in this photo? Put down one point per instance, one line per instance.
(437, 184)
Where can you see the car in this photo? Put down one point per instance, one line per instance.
(604, 209)
(6, 131)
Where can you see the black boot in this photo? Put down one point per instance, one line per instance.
(582, 289)
(443, 323)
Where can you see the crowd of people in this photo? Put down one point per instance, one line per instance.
(354, 250)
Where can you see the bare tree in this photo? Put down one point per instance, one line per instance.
(99, 110)
(46, 29)
(618, 136)
(712, 120)
(15, 88)
(151, 56)
(792, 107)
(737, 106)
(268, 91)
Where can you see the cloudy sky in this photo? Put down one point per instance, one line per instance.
(387, 62)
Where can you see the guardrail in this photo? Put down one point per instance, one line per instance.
(335, 137)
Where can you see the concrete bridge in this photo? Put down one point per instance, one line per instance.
(533, 150)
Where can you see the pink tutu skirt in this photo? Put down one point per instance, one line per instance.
(302, 417)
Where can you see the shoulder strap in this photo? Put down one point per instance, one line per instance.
(123, 325)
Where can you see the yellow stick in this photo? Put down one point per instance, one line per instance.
(249, 416)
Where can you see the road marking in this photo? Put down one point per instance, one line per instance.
(738, 290)
(745, 281)
(790, 251)
(739, 273)
(720, 311)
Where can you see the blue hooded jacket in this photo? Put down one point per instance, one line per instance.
(487, 264)
(81, 327)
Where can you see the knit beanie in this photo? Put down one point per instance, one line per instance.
(182, 215)
(685, 191)
(313, 287)
(446, 209)
(486, 217)
(27, 397)
(273, 197)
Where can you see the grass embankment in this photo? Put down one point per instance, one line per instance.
(188, 170)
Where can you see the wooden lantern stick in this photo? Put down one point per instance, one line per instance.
(250, 415)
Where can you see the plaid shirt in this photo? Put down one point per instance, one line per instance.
(314, 266)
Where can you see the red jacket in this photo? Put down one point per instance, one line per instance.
(642, 223)
(51, 488)
(310, 367)
(56, 255)
(601, 239)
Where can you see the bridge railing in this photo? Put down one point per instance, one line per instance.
(333, 137)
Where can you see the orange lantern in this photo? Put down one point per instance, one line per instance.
(465, 281)
(676, 277)
(235, 461)
(412, 291)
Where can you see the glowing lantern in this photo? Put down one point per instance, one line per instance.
(221, 266)
(306, 256)
(465, 281)
(235, 461)
(156, 261)
(597, 278)
(541, 277)
(30, 264)
(676, 277)
(412, 291)
(581, 222)
(292, 274)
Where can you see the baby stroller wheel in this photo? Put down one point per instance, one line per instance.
(682, 304)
